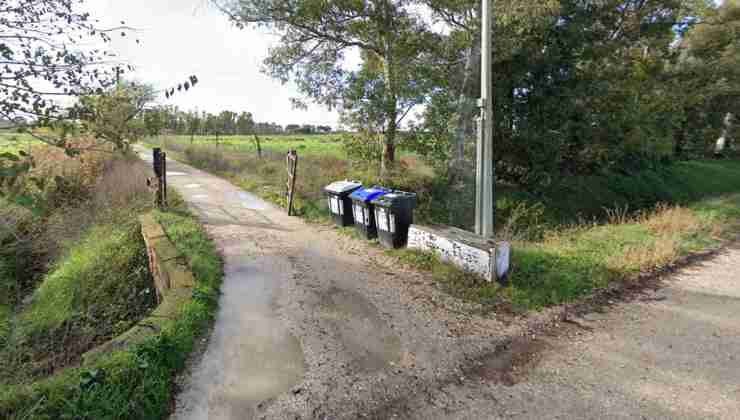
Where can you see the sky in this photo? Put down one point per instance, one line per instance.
(183, 37)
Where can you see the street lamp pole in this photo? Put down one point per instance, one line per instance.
(484, 199)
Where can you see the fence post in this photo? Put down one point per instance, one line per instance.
(164, 180)
(292, 162)
(159, 163)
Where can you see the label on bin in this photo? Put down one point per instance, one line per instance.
(335, 206)
(361, 216)
(381, 217)
(386, 221)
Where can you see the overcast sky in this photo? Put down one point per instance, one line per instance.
(184, 37)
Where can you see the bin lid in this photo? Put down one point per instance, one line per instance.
(396, 198)
(341, 187)
(367, 194)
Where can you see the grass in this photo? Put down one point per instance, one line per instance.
(98, 290)
(321, 162)
(317, 144)
(83, 279)
(574, 261)
(135, 383)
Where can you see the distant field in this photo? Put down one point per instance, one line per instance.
(319, 144)
(11, 141)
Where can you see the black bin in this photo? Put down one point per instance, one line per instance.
(363, 211)
(340, 205)
(394, 213)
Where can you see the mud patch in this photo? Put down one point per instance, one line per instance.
(367, 338)
(509, 363)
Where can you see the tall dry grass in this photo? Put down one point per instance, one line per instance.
(669, 226)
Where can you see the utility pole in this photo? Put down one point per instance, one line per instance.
(484, 183)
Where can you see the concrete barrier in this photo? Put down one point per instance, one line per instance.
(472, 253)
(173, 282)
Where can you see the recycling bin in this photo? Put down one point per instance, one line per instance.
(340, 204)
(363, 211)
(394, 213)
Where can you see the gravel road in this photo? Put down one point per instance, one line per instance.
(314, 324)
(669, 353)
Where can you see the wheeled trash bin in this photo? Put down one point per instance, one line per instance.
(340, 204)
(394, 213)
(363, 211)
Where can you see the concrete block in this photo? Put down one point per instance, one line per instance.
(488, 259)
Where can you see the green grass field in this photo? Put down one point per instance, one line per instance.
(314, 144)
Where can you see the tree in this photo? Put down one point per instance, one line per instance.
(110, 116)
(193, 122)
(707, 77)
(315, 36)
(245, 123)
(154, 121)
(227, 122)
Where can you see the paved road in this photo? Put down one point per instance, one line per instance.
(316, 325)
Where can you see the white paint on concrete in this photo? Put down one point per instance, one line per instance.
(463, 249)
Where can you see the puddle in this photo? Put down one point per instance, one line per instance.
(192, 186)
(252, 356)
(368, 339)
(250, 201)
(173, 173)
(200, 197)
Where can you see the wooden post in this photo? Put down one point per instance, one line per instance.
(291, 161)
(164, 180)
(160, 171)
(259, 146)
(157, 166)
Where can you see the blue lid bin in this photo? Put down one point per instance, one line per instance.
(394, 213)
(363, 210)
(339, 202)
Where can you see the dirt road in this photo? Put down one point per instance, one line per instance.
(672, 353)
(316, 325)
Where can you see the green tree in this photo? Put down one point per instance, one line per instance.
(154, 121)
(315, 36)
(707, 77)
(111, 116)
(245, 123)
(193, 122)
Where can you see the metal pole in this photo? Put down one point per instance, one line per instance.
(485, 204)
